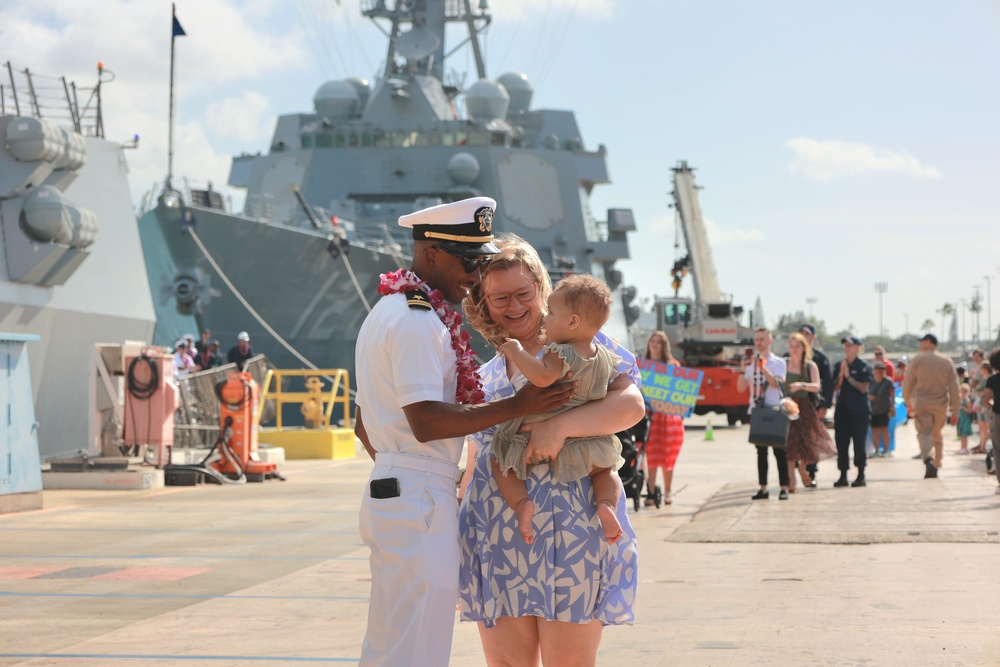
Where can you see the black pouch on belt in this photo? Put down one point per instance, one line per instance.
(387, 487)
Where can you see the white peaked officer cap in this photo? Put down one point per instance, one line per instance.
(465, 225)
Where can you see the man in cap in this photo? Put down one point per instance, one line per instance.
(823, 363)
(183, 362)
(853, 413)
(929, 385)
(410, 421)
(209, 357)
(239, 353)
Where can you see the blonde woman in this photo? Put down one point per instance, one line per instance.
(540, 602)
(808, 439)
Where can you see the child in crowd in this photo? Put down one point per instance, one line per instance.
(984, 414)
(882, 394)
(578, 307)
(965, 415)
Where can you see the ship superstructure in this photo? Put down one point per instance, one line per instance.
(71, 265)
(320, 216)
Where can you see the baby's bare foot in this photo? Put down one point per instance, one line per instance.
(609, 522)
(525, 511)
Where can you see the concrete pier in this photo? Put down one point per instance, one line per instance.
(902, 572)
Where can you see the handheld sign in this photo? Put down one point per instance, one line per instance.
(672, 390)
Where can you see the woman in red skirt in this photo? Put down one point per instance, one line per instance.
(666, 432)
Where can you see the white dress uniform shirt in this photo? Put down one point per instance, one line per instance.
(404, 356)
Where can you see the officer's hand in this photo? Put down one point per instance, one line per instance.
(537, 400)
(954, 418)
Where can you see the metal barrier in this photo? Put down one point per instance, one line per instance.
(339, 393)
(196, 422)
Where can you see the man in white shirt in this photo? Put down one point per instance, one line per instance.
(413, 428)
(763, 373)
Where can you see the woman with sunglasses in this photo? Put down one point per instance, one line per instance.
(546, 601)
(890, 368)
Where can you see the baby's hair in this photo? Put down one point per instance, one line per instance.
(586, 296)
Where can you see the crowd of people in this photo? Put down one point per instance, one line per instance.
(864, 398)
(191, 356)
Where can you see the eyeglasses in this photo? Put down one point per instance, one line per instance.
(472, 263)
(878, 354)
(524, 294)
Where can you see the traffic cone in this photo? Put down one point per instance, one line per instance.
(709, 435)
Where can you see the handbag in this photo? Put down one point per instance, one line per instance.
(768, 426)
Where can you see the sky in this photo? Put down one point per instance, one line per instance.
(838, 145)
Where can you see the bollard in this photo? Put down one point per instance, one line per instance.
(709, 435)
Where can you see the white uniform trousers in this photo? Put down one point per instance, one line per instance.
(414, 563)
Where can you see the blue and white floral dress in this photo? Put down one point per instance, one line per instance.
(569, 573)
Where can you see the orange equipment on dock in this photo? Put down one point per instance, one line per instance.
(238, 397)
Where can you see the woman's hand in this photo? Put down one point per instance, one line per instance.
(546, 440)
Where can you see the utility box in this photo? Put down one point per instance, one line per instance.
(20, 463)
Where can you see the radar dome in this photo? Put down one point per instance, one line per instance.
(363, 89)
(463, 168)
(336, 100)
(519, 89)
(486, 100)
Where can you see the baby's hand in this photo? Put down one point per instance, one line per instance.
(511, 347)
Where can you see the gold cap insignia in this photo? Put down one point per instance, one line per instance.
(484, 216)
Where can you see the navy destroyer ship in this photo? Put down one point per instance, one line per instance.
(298, 267)
(71, 264)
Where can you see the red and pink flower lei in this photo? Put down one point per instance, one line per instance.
(470, 387)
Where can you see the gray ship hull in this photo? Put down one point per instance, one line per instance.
(286, 275)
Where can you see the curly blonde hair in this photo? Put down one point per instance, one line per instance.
(515, 253)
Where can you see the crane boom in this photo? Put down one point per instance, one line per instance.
(702, 264)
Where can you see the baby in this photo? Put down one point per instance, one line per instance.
(578, 307)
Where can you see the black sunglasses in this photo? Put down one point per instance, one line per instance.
(472, 263)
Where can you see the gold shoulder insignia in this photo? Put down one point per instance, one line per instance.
(418, 299)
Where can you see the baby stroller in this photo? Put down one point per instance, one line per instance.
(633, 471)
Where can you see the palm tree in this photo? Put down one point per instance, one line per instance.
(944, 311)
(975, 308)
(927, 326)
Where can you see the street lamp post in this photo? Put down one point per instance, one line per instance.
(962, 306)
(881, 289)
(989, 323)
(975, 314)
(811, 300)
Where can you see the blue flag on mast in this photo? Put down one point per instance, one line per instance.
(178, 30)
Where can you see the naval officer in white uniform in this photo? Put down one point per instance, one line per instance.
(413, 428)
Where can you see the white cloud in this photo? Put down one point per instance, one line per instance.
(244, 117)
(827, 160)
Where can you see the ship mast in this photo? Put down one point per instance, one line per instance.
(423, 44)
